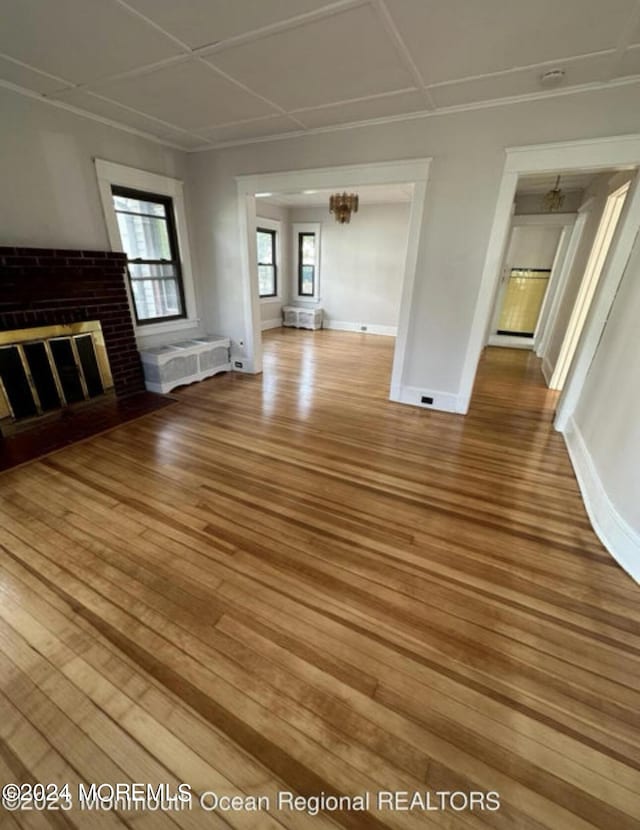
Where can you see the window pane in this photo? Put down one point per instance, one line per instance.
(139, 205)
(306, 283)
(308, 253)
(156, 298)
(144, 237)
(267, 280)
(145, 270)
(266, 254)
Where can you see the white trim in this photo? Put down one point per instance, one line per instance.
(275, 323)
(416, 214)
(420, 114)
(208, 145)
(615, 533)
(612, 274)
(603, 243)
(108, 174)
(568, 262)
(510, 342)
(552, 286)
(369, 328)
(297, 228)
(547, 370)
(591, 154)
(249, 351)
(404, 171)
(442, 401)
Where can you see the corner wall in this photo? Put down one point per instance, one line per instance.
(604, 434)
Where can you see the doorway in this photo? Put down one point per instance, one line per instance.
(414, 173)
(534, 257)
(622, 153)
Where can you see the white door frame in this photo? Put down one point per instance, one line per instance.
(603, 242)
(406, 171)
(568, 262)
(590, 154)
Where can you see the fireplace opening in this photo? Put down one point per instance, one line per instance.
(48, 369)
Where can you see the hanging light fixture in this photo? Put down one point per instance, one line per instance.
(342, 205)
(554, 199)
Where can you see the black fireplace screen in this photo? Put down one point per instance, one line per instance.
(46, 374)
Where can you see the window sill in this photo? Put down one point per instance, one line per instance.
(267, 300)
(169, 325)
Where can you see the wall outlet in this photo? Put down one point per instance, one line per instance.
(427, 399)
(238, 364)
(363, 328)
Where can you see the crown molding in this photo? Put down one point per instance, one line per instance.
(53, 102)
(414, 116)
(390, 119)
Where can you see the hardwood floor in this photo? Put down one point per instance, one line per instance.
(288, 583)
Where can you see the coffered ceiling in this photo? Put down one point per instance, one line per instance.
(204, 73)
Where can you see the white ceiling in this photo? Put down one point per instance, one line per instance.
(201, 73)
(367, 195)
(569, 182)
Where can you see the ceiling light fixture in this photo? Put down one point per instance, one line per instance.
(263, 195)
(554, 198)
(342, 205)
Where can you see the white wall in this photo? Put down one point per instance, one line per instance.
(533, 246)
(271, 308)
(50, 194)
(468, 158)
(607, 422)
(49, 188)
(361, 265)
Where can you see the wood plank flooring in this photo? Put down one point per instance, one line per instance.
(288, 583)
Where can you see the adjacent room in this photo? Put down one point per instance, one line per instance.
(319, 406)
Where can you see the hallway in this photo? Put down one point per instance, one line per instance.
(286, 582)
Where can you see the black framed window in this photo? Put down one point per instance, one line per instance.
(306, 264)
(267, 265)
(148, 232)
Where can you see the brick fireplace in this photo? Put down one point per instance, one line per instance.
(47, 287)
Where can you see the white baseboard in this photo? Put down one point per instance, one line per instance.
(615, 533)
(442, 401)
(276, 323)
(547, 370)
(510, 342)
(369, 328)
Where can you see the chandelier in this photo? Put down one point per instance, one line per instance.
(342, 205)
(554, 199)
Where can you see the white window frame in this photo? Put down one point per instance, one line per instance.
(110, 174)
(273, 225)
(306, 227)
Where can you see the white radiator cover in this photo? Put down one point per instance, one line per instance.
(302, 318)
(166, 367)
